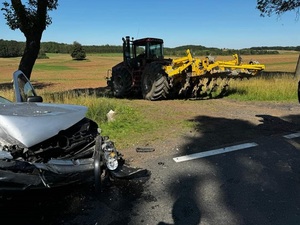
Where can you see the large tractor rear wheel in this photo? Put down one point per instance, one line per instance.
(121, 83)
(155, 84)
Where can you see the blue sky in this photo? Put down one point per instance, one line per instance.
(215, 23)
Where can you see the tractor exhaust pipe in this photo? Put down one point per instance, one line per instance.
(126, 49)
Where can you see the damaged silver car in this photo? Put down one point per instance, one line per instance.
(45, 145)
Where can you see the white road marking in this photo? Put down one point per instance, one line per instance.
(214, 152)
(294, 135)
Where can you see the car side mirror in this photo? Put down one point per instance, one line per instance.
(35, 99)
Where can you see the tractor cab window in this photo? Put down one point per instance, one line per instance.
(155, 51)
(148, 51)
(141, 51)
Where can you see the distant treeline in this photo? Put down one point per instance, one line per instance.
(202, 50)
(15, 49)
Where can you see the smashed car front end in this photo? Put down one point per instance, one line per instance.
(50, 145)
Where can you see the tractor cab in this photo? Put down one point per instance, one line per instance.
(137, 53)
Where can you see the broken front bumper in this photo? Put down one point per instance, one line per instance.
(19, 175)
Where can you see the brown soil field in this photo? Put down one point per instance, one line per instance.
(60, 72)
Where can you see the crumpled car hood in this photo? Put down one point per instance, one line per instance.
(22, 123)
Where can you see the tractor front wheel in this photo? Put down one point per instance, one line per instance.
(155, 84)
(121, 83)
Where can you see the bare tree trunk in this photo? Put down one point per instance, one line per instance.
(30, 55)
(32, 24)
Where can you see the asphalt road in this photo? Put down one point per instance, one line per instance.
(256, 185)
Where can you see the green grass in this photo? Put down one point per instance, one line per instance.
(108, 54)
(278, 88)
(51, 67)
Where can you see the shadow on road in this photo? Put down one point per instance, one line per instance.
(253, 186)
(185, 208)
(73, 205)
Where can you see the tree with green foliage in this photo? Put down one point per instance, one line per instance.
(42, 54)
(31, 19)
(11, 48)
(78, 52)
(270, 7)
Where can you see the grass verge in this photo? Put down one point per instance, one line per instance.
(278, 88)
